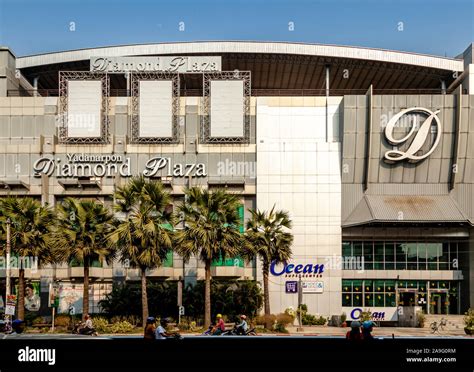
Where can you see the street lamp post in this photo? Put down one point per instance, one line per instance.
(7, 277)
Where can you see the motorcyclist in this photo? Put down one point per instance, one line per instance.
(161, 332)
(241, 329)
(220, 326)
(88, 328)
(150, 329)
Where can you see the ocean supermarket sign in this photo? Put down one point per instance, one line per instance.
(296, 269)
(377, 313)
(85, 165)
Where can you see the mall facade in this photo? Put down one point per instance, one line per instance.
(370, 151)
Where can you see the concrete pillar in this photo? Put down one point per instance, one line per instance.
(8, 80)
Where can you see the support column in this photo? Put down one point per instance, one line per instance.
(329, 133)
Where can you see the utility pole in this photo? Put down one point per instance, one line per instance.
(7, 277)
(300, 301)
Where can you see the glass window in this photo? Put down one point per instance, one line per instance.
(368, 285)
(390, 300)
(368, 251)
(379, 299)
(347, 299)
(346, 249)
(400, 253)
(390, 286)
(378, 286)
(421, 256)
(389, 256)
(444, 259)
(357, 299)
(422, 286)
(347, 286)
(369, 299)
(412, 255)
(357, 286)
(433, 251)
(378, 256)
(357, 249)
(453, 256)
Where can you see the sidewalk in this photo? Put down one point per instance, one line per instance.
(378, 331)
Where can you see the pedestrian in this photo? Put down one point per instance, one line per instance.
(354, 333)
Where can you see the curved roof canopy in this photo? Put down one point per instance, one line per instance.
(274, 65)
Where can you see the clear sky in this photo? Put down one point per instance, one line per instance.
(440, 27)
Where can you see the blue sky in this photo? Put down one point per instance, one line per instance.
(440, 27)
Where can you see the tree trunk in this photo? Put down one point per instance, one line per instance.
(266, 295)
(207, 295)
(144, 298)
(21, 294)
(85, 295)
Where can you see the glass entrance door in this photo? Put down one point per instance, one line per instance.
(439, 303)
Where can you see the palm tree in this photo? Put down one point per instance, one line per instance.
(144, 238)
(82, 236)
(267, 236)
(211, 232)
(31, 225)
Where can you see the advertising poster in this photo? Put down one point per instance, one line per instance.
(70, 298)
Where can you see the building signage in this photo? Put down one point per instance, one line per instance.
(296, 269)
(312, 287)
(378, 313)
(156, 64)
(87, 165)
(419, 138)
(291, 287)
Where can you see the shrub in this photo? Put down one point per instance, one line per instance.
(365, 315)
(469, 319)
(38, 320)
(309, 319)
(420, 319)
(265, 319)
(279, 327)
(121, 327)
(343, 317)
(62, 320)
(282, 320)
(100, 324)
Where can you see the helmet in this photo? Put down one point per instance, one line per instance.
(219, 316)
(243, 317)
(355, 324)
(150, 320)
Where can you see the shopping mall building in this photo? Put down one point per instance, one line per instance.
(371, 152)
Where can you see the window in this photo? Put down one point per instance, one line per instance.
(368, 293)
(380, 255)
(401, 257)
(368, 256)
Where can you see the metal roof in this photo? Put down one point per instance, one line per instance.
(277, 69)
(370, 54)
(402, 209)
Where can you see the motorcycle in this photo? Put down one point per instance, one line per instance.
(235, 332)
(80, 329)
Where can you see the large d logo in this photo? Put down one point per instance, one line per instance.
(418, 140)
